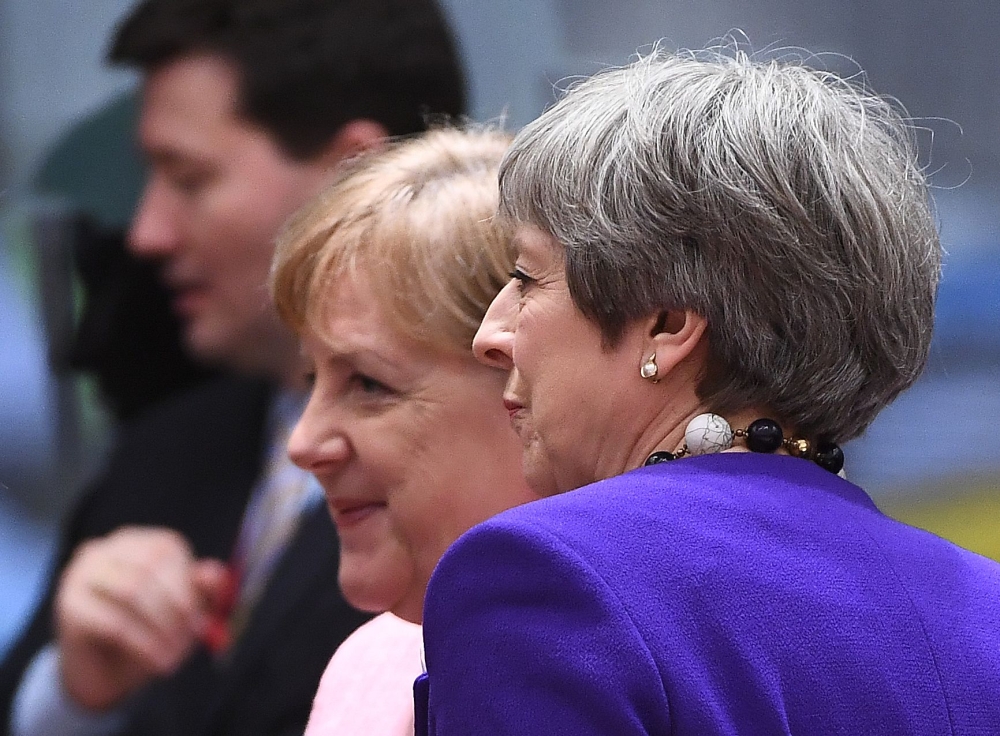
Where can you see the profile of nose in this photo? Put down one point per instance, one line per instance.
(494, 341)
(154, 232)
(316, 447)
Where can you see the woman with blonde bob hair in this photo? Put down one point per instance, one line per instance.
(726, 268)
(386, 277)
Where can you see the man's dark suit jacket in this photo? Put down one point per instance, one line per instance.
(190, 465)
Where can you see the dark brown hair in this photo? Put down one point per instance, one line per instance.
(307, 67)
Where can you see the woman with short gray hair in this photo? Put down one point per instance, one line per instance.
(726, 268)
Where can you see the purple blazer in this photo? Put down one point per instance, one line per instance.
(736, 593)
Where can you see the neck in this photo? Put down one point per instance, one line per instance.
(672, 433)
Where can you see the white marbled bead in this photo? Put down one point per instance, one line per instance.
(708, 433)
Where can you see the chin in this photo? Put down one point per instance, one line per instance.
(371, 600)
(539, 474)
(219, 348)
(205, 343)
(360, 591)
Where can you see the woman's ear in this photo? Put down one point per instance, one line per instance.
(352, 138)
(673, 336)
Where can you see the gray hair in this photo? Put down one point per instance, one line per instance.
(783, 204)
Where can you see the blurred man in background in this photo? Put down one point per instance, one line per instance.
(195, 590)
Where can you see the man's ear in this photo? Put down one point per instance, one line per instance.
(673, 336)
(354, 137)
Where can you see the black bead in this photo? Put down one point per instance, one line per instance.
(659, 457)
(764, 435)
(829, 456)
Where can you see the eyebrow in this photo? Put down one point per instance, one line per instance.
(353, 355)
(518, 242)
(168, 155)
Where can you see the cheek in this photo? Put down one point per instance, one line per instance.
(421, 487)
(416, 500)
(535, 358)
(556, 431)
(376, 568)
(461, 478)
(239, 223)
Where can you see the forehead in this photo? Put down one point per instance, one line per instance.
(189, 105)
(352, 321)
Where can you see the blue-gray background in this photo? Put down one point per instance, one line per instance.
(935, 448)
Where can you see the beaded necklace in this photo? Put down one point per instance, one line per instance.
(709, 433)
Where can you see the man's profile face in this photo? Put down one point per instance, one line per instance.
(218, 190)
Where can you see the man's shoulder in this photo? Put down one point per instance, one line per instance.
(201, 433)
(187, 463)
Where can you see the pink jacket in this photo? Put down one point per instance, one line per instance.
(367, 689)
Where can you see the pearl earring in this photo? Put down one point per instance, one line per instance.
(649, 369)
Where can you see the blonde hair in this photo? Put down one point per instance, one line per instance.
(417, 218)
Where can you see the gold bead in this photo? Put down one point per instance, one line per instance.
(799, 447)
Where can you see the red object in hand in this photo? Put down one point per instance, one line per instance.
(216, 636)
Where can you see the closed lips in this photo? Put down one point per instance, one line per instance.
(351, 512)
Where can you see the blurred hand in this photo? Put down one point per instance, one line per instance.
(129, 608)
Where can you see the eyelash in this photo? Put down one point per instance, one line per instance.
(369, 385)
(522, 278)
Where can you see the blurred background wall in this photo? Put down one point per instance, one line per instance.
(930, 458)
